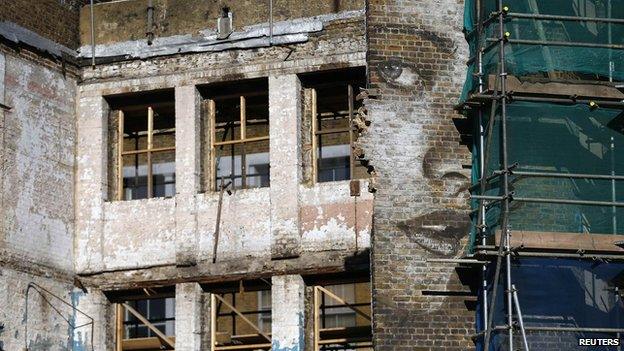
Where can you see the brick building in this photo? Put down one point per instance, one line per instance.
(254, 175)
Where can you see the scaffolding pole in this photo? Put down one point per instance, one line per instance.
(504, 248)
(499, 98)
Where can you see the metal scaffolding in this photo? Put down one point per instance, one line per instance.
(498, 99)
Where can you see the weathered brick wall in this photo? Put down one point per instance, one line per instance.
(56, 20)
(417, 60)
(36, 198)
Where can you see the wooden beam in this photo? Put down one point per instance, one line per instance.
(119, 327)
(153, 150)
(152, 343)
(150, 132)
(120, 160)
(253, 326)
(243, 347)
(240, 141)
(351, 137)
(243, 136)
(337, 298)
(564, 241)
(317, 306)
(213, 322)
(314, 137)
(213, 136)
(147, 323)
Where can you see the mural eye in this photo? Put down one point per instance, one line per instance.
(398, 73)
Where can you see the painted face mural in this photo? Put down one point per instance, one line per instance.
(439, 226)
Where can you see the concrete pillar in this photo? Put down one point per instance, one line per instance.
(187, 138)
(189, 315)
(95, 305)
(285, 145)
(288, 311)
(91, 180)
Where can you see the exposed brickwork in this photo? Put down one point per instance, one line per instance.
(56, 20)
(416, 60)
(36, 198)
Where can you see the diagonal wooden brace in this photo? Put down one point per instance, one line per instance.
(243, 317)
(147, 323)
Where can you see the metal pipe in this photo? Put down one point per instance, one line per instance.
(489, 250)
(568, 175)
(562, 329)
(565, 18)
(481, 219)
(569, 100)
(550, 201)
(505, 212)
(92, 36)
(613, 197)
(559, 43)
(574, 329)
(456, 260)
(520, 321)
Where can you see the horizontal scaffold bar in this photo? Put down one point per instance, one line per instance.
(551, 201)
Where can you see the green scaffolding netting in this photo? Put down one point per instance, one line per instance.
(551, 138)
(551, 48)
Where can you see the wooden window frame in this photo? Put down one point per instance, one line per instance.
(216, 298)
(243, 140)
(148, 152)
(317, 132)
(159, 341)
(318, 306)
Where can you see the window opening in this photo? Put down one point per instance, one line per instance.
(145, 324)
(239, 137)
(342, 317)
(241, 320)
(333, 109)
(147, 151)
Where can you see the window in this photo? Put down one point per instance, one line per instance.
(239, 135)
(159, 312)
(241, 319)
(142, 146)
(333, 108)
(334, 313)
(144, 320)
(342, 317)
(264, 304)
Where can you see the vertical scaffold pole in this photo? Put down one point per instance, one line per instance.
(505, 227)
(481, 218)
(503, 248)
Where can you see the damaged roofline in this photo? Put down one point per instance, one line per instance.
(256, 36)
(17, 35)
